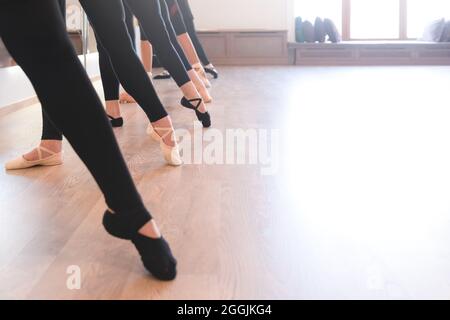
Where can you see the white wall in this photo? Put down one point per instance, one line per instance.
(244, 14)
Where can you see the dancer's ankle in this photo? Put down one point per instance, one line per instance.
(150, 230)
(164, 129)
(198, 67)
(200, 86)
(52, 145)
(190, 92)
(113, 108)
(125, 97)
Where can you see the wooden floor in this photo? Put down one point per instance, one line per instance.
(360, 206)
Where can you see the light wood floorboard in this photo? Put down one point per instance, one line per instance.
(359, 208)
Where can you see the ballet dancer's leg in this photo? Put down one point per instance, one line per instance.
(193, 75)
(107, 18)
(146, 52)
(49, 151)
(110, 84)
(188, 18)
(148, 12)
(183, 38)
(150, 16)
(125, 97)
(33, 32)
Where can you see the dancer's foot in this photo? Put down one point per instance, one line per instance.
(192, 100)
(202, 75)
(113, 112)
(196, 105)
(152, 247)
(204, 93)
(125, 98)
(49, 153)
(163, 75)
(116, 122)
(163, 132)
(212, 71)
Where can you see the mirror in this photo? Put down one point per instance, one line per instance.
(79, 30)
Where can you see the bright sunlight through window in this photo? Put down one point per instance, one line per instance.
(375, 19)
(422, 12)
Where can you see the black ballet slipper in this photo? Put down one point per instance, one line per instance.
(212, 71)
(163, 75)
(204, 118)
(116, 122)
(155, 253)
(156, 257)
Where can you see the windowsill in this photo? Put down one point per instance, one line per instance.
(385, 52)
(389, 41)
(382, 43)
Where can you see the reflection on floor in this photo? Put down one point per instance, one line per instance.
(359, 206)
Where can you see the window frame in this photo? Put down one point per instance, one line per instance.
(402, 27)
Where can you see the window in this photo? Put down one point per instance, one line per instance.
(375, 19)
(421, 12)
(311, 9)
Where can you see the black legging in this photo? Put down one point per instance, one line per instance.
(107, 18)
(182, 20)
(188, 18)
(178, 18)
(118, 61)
(34, 33)
(175, 16)
(172, 30)
(152, 16)
(49, 131)
(62, 8)
(129, 21)
(173, 34)
(149, 15)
